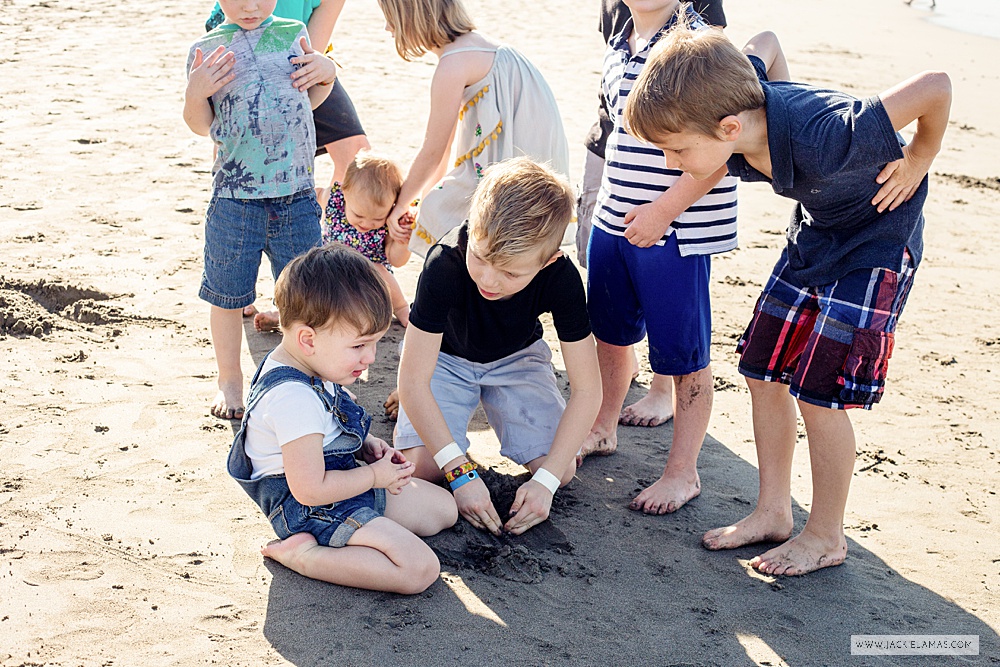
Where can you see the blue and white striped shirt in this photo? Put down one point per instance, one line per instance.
(635, 172)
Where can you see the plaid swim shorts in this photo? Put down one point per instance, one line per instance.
(831, 344)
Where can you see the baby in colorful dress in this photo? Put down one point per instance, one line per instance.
(355, 216)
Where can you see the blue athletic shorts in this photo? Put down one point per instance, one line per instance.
(633, 292)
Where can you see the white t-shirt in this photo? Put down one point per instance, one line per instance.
(286, 413)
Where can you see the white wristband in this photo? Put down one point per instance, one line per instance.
(546, 479)
(447, 453)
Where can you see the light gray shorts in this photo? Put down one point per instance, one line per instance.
(519, 395)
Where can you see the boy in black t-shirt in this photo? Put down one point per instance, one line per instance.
(474, 336)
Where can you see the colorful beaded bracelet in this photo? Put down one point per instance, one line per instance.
(452, 475)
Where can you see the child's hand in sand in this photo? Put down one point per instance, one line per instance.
(392, 472)
(474, 503)
(531, 507)
(209, 75)
(313, 68)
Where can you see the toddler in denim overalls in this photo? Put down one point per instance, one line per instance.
(300, 440)
(331, 524)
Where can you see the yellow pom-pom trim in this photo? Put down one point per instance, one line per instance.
(475, 152)
(472, 102)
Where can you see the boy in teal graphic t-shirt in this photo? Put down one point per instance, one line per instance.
(252, 84)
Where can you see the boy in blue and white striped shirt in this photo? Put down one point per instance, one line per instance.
(654, 231)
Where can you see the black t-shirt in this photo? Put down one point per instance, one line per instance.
(481, 331)
(614, 16)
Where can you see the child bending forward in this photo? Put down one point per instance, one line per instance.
(297, 453)
(488, 103)
(474, 336)
(824, 327)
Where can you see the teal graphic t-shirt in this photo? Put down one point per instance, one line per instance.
(263, 126)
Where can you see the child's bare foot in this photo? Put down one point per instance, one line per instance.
(802, 554)
(653, 409)
(228, 403)
(289, 552)
(597, 444)
(266, 322)
(761, 525)
(391, 405)
(667, 494)
(250, 311)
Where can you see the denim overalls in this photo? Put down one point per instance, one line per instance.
(331, 524)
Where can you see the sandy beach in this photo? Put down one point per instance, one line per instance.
(123, 541)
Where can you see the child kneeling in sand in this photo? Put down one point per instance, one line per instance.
(825, 322)
(474, 336)
(297, 451)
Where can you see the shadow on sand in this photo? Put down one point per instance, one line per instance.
(601, 585)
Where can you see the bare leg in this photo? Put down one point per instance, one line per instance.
(653, 409)
(831, 453)
(227, 336)
(342, 152)
(680, 482)
(250, 311)
(616, 375)
(423, 508)
(400, 306)
(380, 556)
(774, 429)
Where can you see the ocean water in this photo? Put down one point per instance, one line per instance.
(980, 17)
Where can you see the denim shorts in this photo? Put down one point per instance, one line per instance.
(332, 525)
(832, 343)
(237, 231)
(633, 292)
(519, 395)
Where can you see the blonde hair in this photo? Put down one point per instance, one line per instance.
(373, 176)
(520, 206)
(691, 81)
(421, 25)
(333, 285)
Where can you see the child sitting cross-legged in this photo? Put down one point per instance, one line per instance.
(304, 453)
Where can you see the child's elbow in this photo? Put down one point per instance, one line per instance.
(196, 127)
(304, 495)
